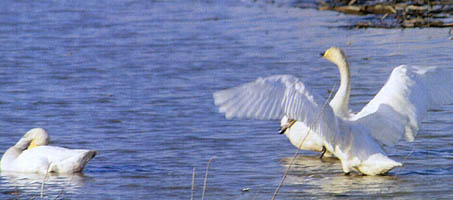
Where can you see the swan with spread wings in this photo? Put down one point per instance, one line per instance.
(395, 112)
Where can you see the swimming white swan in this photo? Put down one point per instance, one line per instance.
(32, 155)
(394, 113)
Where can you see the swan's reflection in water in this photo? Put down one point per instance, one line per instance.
(28, 185)
(312, 176)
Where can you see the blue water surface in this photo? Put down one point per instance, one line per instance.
(133, 79)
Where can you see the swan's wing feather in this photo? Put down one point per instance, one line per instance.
(57, 159)
(272, 98)
(260, 99)
(54, 153)
(397, 109)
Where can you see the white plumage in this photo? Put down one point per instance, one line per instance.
(300, 136)
(398, 108)
(40, 158)
(394, 113)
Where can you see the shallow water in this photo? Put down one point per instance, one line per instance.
(134, 79)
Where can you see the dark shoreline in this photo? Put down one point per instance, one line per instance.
(395, 13)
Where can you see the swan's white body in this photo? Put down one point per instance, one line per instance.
(394, 113)
(40, 158)
(301, 137)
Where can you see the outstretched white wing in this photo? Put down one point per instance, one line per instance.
(398, 108)
(275, 96)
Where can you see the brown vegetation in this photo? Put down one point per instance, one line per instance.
(396, 13)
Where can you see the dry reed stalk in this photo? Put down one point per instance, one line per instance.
(206, 177)
(193, 184)
(43, 181)
(291, 162)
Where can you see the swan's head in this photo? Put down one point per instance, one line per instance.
(335, 55)
(36, 137)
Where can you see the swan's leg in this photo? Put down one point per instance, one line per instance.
(323, 151)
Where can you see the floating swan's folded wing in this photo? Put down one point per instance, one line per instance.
(397, 109)
(53, 159)
(272, 98)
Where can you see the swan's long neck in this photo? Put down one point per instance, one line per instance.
(9, 156)
(340, 102)
(12, 153)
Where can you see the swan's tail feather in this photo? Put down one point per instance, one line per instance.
(378, 164)
(74, 164)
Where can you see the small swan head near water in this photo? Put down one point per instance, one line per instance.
(334, 55)
(33, 138)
